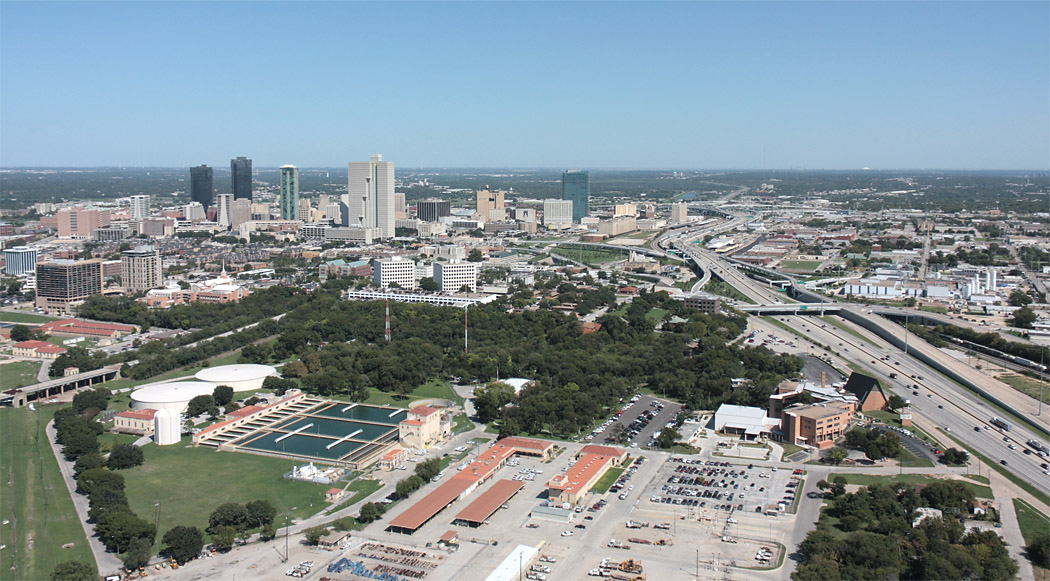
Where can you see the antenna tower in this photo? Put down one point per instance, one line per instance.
(386, 330)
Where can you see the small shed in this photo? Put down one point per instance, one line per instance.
(449, 538)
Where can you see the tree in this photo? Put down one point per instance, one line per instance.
(228, 514)
(116, 529)
(21, 333)
(222, 395)
(90, 398)
(489, 400)
(260, 513)
(199, 405)
(371, 511)
(1024, 318)
(139, 551)
(125, 456)
(183, 543)
(428, 284)
(955, 456)
(223, 537)
(1019, 298)
(667, 438)
(1039, 551)
(268, 532)
(428, 469)
(314, 534)
(95, 479)
(896, 402)
(872, 451)
(836, 455)
(294, 369)
(279, 385)
(475, 256)
(87, 462)
(74, 571)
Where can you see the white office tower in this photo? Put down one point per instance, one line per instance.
(139, 207)
(557, 212)
(451, 277)
(224, 210)
(679, 212)
(20, 260)
(370, 195)
(395, 270)
(194, 212)
(290, 192)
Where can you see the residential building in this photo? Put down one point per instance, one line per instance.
(202, 188)
(139, 207)
(241, 176)
(433, 210)
(451, 277)
(80, 222)
(679, 212)
(20, 260)
(370, 195)
(289, 192)
(61, 284)
(557, 212)
(395, 270)
(424, 426)
(816, 425)
(575, 186)
(141, 268)
(489, 205)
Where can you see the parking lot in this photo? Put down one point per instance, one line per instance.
(723, 487)
(641, 422)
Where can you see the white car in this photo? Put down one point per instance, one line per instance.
(566, 533)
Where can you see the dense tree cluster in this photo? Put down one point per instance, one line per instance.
(873, 443)
(124, 456)
(875, 538)
(74, 571)
(1029, 351)
(159, 357)
(182, 543)
(77, 432)
(78, 357)
(117, 526)
(955, 456)
(232, 520)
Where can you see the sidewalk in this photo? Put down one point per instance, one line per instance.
(107, 563)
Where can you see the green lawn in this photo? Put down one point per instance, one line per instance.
(1032, 523)
(805, 265)
(720, 287)
(934, 309)
(189, 483)
(789, 448)
(909, 460)
(589, 255)
(980, 490)
(358, 489)
(433, 389)
(1026, 385)
(654, 316)
(33, 318)
(18, 374)
(607, 480)
(35, 500)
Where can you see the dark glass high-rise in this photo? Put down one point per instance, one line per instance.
(241, 171)
(575, 186)
(201, 185)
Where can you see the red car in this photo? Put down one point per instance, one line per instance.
(937, 452)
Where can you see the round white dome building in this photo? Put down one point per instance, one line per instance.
(174, 396)
(241, 377)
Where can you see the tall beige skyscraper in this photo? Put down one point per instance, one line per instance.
(224, 210)
(240, 212)
(370, 195)
(141, 268)
(490, 205)
(400, 207)
(679, 212)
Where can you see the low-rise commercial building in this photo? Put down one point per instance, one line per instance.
(425, 426)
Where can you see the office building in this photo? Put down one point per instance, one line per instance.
(113, 233)
(19, 260)
(396, 270)
(451, 277)
(139, 207)
(433, 210)
(337, 213)
(224, 210)
(489, 205)
(289, 192)
(625, 210)
(62, 284)
(202, 187)
(557, 212)
(817, 425)
(306, 211)
(80, 222)
(370, 195)
(141, 268)
(679, 212)
(400, 206)
(194, 212)
(575, 186)
(240, 212)
(241, 174)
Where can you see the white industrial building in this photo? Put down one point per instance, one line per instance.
(749, 421)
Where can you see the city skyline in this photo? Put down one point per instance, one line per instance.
(554, 85)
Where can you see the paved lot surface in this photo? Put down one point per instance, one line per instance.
(657, 423)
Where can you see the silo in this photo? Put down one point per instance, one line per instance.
(166, 427)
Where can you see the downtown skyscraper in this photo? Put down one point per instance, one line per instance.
(202, 188)
(575, 186)
(370, 195)
(241, 174)
(289, 192)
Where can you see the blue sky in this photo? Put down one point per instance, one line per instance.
(539, 84)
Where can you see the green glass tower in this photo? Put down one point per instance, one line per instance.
(289, 192)
(575, 186)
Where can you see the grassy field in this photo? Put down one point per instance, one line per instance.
(687, 285)
(803, 265)
(934, 309)
(18, 373)
(1026, 385)
(1032, 523)
(720, 287)
(433, 389)
(607, 480)
(35, 500)
(980, 490)
(589, 255)
(654, 316)
(189, 483)
(33, 318)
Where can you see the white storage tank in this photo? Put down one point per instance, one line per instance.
(167, 430)
(240, 376)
